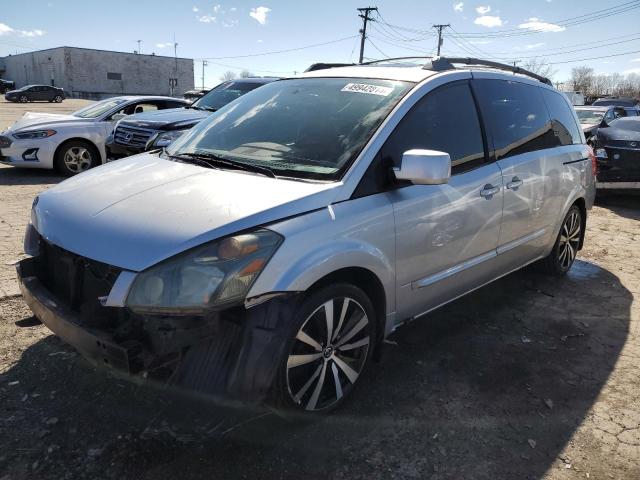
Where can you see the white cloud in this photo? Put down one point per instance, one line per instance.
(207, 19)
(531, 46)
(195, 9)
(479, 42)
(632, 70)
(458, 6)
(260, 14)
(538, 25)
(259, 41)
(636, 60)
(488, 21)
(7, 30)
(229, 23)
(233, 9)
(164, 45)
(483, 10)
(216, 8)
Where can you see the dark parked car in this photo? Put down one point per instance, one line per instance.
(618, 154)
(34, 93)
(151, 130)
(616, 101)
(6, 85)
(593, 117)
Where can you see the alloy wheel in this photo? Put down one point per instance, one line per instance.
(77, 159)
(569, 240)
(24, 99)
(328, 354)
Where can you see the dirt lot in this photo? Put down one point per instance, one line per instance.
(528, 378)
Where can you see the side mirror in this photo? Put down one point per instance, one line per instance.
(424, 167)
(118, 116)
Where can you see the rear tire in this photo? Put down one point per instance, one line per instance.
(329, 347)
(564, 252)
(76, 157)
(24, 99)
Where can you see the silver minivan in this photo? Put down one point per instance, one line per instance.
(267, 253)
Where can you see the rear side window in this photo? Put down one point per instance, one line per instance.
(446, 120)
(562, 119)
(517, 118)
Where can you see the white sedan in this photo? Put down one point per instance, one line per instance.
(76, 142)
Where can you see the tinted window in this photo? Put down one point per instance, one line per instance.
(562, 119)
(225, 93)
(445, 120)
(516, 116)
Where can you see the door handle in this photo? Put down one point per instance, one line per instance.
(489, 190)
(514, 183)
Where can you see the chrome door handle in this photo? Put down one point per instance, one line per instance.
(489, 190)
(514, 183)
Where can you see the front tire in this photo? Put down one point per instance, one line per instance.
(58, 99)
(329, 348)
(76, 157)
(564, 252)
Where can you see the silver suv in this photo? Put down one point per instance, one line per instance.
(267, 253)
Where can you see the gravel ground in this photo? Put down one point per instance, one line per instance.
(530, 377)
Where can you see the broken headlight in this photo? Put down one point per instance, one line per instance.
(212, 275)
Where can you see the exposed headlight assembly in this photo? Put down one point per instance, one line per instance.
(160, 140)
(212, 275)
(34, 134)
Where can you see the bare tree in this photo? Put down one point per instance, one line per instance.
(228, 75)
(540, 66)
(582, 79)
(246, 74)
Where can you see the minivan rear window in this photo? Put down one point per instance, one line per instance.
(562, 119)
(516, 115)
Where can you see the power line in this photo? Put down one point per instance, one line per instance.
(594, 58)
(440, 28)
(274, 52)
(384, 55)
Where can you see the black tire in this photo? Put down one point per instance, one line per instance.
(561, 258)
(86, 153)
(297, 389)
(57, 99)
(23, 99)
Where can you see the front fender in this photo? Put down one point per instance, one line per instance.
(354, 234)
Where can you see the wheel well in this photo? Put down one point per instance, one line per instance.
(371, 285)
(580, 203)
(78, 139)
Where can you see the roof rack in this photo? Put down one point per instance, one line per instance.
(440, 64)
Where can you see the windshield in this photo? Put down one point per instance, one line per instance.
(306, 128)
(96, 109)
(632, 124)
(590, 116)
(224, 93)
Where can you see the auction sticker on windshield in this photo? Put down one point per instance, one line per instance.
(364, 88)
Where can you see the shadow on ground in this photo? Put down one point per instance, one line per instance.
(28, 176)
(491, 386)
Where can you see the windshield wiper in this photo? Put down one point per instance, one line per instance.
(212, 160)
(208, 109)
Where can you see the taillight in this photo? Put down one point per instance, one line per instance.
(594, 163)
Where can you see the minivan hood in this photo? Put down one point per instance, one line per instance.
(33, 119)
(136, 212)
(169, 119)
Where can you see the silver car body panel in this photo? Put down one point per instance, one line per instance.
(427, 244)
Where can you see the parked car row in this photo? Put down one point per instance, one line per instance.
(267, 252)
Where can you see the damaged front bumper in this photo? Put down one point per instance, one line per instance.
(231, 354)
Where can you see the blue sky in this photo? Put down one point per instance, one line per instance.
(504, 30)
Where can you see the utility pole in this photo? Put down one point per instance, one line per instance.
(440, 28)
(364, 14)
(139, 48)
(174, 83)
(204, 64)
